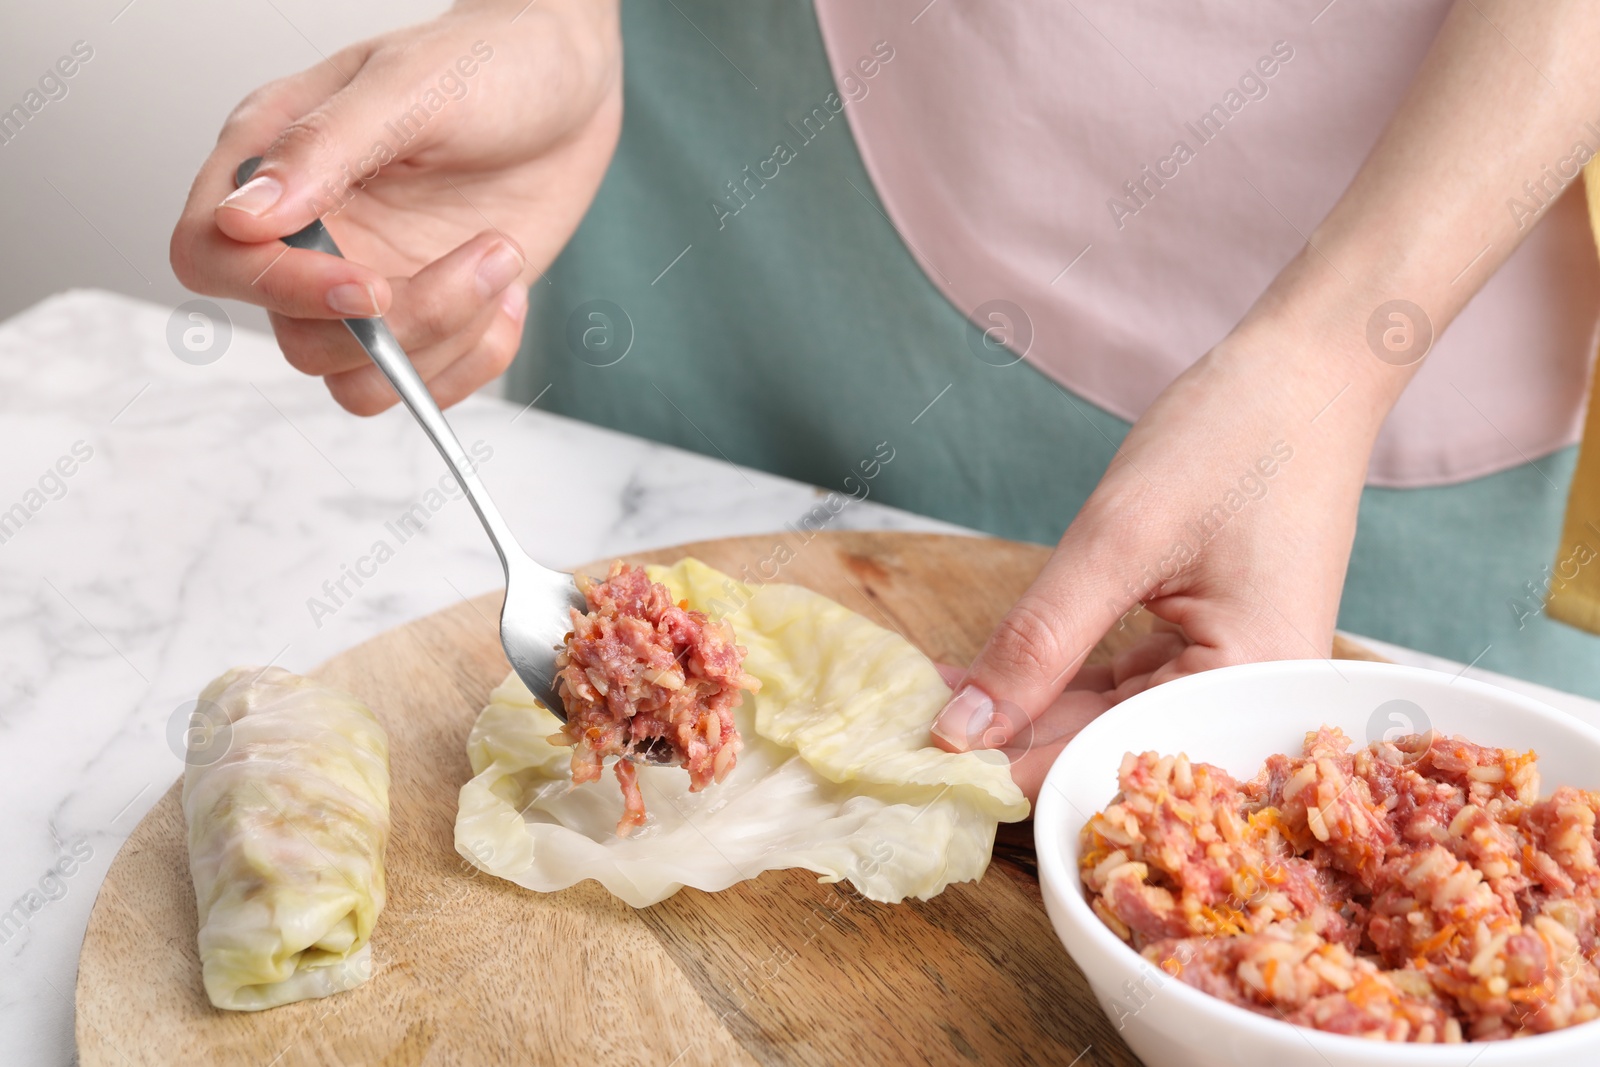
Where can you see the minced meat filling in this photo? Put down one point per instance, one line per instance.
(638, 669)
(1409, 891)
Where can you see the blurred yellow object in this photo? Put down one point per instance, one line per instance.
(1575, 600)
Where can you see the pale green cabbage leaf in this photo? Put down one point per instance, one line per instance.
(837, 774)
(287, 830)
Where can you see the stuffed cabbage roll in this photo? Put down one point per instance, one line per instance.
(287, 805)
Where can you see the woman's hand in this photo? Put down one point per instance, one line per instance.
(1230, 508)
(450, 160)
(1228, 513)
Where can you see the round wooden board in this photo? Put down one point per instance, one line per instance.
(471, 969)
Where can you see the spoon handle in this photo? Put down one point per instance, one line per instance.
(374, 336)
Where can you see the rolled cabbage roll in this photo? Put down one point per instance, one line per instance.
(286, 796)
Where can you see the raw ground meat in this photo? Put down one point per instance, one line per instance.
(1410, 891)
(636, 668)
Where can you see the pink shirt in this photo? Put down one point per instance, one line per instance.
(1027, 151)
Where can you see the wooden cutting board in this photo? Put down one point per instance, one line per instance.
(470, 969)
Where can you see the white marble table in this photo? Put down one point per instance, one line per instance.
(214, 504)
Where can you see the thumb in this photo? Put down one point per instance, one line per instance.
(1035, 650)
(317, 164)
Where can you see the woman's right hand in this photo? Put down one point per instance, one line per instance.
(482, 137)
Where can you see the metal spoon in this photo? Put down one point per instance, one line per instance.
(534, 620)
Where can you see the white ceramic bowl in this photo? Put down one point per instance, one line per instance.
(1235, 718)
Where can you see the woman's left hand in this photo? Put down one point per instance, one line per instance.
(1228, 513)
(1230, 508)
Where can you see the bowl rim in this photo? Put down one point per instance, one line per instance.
(1052, 820)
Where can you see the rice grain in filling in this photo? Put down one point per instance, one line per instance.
(1409, 891)
(637, 668)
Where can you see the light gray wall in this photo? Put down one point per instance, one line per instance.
(122, 145)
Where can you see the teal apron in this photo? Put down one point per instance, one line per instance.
(737, 290)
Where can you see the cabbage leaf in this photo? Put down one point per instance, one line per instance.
(287, 805)
(837, 774)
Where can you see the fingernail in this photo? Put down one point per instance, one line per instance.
(256, 196)
(963, 721)
(353, 300)
(497, 268)
(514, 301)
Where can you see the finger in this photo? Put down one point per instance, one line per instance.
(1040, 644)
(1131, 686)
(254, 124)
(297, 283)
(322, 348)
(489, 359)
(318, 347)
(1163, 626)
(1154, 653)
(1214, 646)
(438, 315)
(1223, 636)
(453, 291)
(365, 391)
(294, 282)
(1095, 677)
(1145, 655)
(1060, 723)
(1193, 660)
(317, 161)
